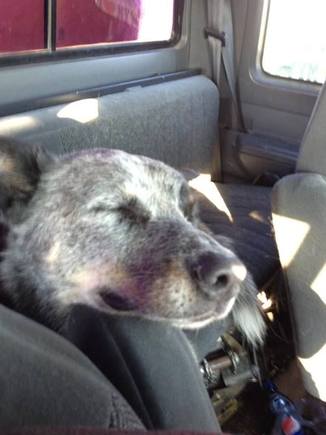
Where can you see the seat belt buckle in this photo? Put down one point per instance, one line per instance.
(208, 31)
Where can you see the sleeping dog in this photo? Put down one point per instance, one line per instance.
(118, 232)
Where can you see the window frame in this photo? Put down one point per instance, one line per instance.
(50, 53)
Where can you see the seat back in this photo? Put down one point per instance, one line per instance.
(175, 122)
(312, 156)
(299, 216)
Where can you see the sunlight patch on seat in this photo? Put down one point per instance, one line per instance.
(82, 111)
(266, 302)
(206, 187)
(15, 124)
(267, 305)
(257, 216)
(319, 284)
(290, 234)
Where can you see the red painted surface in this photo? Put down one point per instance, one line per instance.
(21, 25)
(94, 21)
(78, 22)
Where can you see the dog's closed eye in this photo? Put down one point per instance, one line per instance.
(131, 210)
(99, 208)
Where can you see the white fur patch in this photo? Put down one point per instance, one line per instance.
(250, 322)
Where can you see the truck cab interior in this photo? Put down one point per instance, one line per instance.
(229, 92)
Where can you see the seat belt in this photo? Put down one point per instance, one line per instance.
(215, 35)
(215, 40)
(220, 36)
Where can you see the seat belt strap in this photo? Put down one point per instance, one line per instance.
(215, 36)
(220, 35)
(215, 39)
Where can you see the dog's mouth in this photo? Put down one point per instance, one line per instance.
(117, 302)
(122, 304)
(194, 322)
(198, 321)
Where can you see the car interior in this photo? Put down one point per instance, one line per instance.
(221, 97)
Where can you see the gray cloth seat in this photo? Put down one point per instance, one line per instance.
(250, 228)
(242, 213)
(299, 207)
(45, 381)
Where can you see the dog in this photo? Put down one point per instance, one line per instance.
(118, 232)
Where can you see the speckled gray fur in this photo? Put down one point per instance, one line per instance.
(104, 227)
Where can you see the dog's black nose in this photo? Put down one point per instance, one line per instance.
(217, 271)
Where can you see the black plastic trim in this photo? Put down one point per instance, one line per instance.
(268, 148)
(53, 100)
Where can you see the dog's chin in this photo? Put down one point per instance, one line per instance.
(202, 320)
(196, 322)
(122, 306)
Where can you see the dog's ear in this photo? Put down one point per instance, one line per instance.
(21, 166)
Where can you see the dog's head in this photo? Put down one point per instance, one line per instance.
(113, 230)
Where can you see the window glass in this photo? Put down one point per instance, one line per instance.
(295, 44)
(84, 22)
(21, 25)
